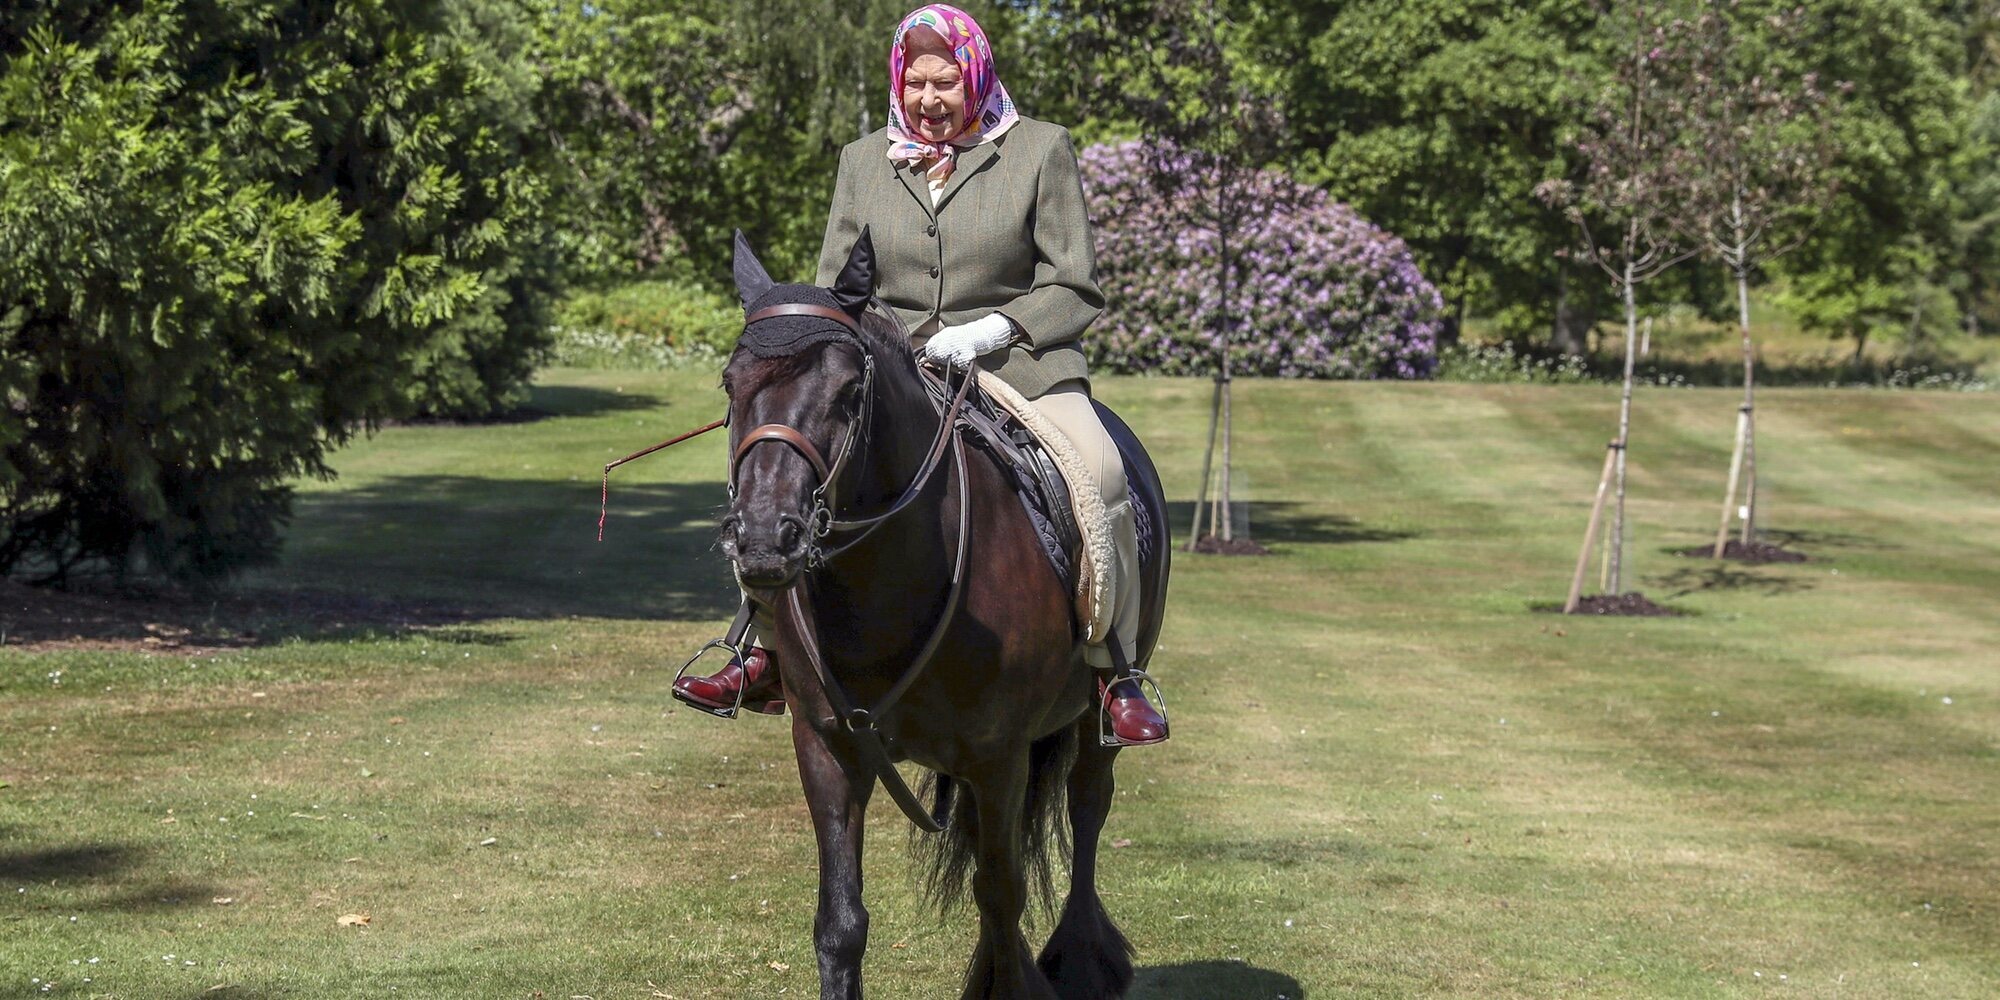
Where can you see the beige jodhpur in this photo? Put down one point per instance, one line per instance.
(1067, 406)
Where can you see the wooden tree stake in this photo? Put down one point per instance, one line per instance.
(1590, 532)
(1735, 470)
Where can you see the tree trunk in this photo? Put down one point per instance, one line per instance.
(1571, 332)
(1624, 432)
(1749, 420)
(1749, 532)
(1223, 485)
(1223, 507)
(1207, 463)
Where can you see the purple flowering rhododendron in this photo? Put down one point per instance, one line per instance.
(1319, 291)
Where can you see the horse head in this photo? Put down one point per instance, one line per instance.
(802, 383)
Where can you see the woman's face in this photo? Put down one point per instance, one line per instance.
(933, 87)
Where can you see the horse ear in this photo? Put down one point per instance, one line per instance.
(752, 281)
(856, 283)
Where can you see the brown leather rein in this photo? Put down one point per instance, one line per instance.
(861, 724)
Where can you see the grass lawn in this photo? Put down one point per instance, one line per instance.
(446, 711)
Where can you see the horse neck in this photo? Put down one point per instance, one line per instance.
(903, 427)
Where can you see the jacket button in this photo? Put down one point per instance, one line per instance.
(930, 230)
(934, 272)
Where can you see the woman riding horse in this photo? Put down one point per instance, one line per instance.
(985, 254)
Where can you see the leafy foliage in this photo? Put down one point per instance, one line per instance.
(1436, 119)
(229, 234)
(646, 324)
(1880, 249)
(1321, 292)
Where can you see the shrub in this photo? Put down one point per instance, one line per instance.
(1502, 363)
(679, 315)
(646, 325)
(232, 233)
(1326, 294)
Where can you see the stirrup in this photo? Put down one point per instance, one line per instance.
(1107, 738)
(735, 651)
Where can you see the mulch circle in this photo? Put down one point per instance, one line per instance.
(1234, 547)
(1755, 552)
(1634, 604)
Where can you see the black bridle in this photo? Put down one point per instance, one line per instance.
(821, 522)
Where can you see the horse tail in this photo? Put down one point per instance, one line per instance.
(947, 859)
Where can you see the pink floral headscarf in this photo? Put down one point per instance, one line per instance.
(989, 111)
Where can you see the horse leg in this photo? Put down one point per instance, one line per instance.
(837, 796)
(1001, 966)
(1087, 957)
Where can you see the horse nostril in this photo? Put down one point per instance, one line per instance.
(788, 535)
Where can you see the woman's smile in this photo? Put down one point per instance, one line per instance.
(933, 88)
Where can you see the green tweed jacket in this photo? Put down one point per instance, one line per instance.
(1009, 235)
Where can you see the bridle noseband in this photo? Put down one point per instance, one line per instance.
(819, 520)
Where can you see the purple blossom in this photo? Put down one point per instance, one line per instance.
(1323, 293)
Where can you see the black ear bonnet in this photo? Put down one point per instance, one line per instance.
(781, 336)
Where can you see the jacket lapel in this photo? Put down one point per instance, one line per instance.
(913, 182)
(970, 161)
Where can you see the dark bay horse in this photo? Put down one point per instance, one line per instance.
(1006, 713)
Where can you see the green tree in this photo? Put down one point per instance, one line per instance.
(1873, 265)
(677, 122)
(231, 234)
(1764, 144)
(1436, 119)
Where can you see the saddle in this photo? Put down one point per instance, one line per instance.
(1002, 422)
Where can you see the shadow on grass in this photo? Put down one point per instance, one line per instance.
(1810, 540)
(1283, 522)
(519, 548)
(434, 553)
(59, 863)
(545, 401)
(1831, 369)
(149, 898)
(1726, 576)
(443, 553)
(578, 401)
(82, 865)
(1214, 980)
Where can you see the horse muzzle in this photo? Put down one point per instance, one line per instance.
(768, 552)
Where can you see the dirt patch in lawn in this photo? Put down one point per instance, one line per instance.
(1633, 604)
(40, 618)
(1755, 552)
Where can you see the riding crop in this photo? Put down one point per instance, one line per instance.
(604, 501)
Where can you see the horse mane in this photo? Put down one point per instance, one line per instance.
(885, 337)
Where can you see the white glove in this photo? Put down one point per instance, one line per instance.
(958, 345)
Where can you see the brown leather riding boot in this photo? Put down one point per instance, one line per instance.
(1134, 721)
(756, 676)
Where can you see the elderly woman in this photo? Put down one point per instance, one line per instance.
(984, 251)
